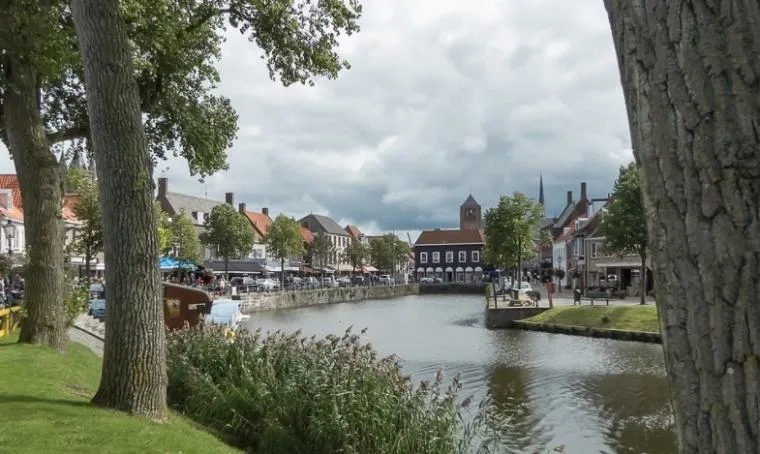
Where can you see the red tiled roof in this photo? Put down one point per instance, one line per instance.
(307, 235)
(259, 221)
(12, 213)
(10, 181)
(450, 237)
(69, 202)
(353, 231)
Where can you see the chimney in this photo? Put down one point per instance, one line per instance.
(569, 197)
(163, 186)
(229, 198)
(265, 211)
(583, 191)
(241, 208)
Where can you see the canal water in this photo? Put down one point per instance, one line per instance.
(547, 390)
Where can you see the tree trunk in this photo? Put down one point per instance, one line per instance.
(643, 275)
(41, 187)
(282, 274)
(690, 75)
(134, 358)
(87, 270)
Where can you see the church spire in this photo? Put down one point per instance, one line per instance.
(541, 189)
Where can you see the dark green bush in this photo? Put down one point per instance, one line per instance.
(284, 394)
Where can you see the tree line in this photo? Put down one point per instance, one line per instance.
(130, 87)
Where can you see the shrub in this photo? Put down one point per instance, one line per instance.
(76, 302)
(283, 394)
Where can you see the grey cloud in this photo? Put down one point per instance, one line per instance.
(443, 98)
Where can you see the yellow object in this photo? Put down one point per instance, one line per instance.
(9, 320)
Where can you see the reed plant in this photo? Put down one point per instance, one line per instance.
(280, 393)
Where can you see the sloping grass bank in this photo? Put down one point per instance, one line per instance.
(628, 318)
(44, 399)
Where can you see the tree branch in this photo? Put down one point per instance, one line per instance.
(80, 131)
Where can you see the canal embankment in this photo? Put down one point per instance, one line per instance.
(623, 322)
(449, 288)
(256, 302)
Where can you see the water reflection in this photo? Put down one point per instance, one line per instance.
(588, 395)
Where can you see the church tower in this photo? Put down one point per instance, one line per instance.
(470, 216)
(541, 194)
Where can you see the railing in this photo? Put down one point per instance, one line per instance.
(9, 320)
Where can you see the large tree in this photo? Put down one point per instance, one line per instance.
(228, 233)
(356, 252)
(89, 238)
(321, 251)
(284, 240)
(510, 229)
(689, 74)
(623, 223)
(182, 233)
(175, 44)
(387, 252)
(134, 359)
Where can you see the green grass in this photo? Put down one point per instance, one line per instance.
(44, 405)
(630, 318)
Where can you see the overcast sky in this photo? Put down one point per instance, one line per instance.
(445, 97)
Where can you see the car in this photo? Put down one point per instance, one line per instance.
(97, 291)
(427, 280)
(386, 279)
(357, 280)
(225, 313)
(343, 281)
(97, 309)
(329, 282)
(265, 284)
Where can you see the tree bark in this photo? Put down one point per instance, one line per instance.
(134, 359)
(41, 187)
(643, 278)
(690, 71)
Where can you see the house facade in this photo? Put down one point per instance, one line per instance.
(339, 238)
(453, 255)
(198, 209)
(260, 222)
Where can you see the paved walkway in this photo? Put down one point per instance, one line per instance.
(88, 332)
(566, 299)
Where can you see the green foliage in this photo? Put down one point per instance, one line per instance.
(89, 239)
(284, 394)
(321, 250)
(77, 180)
(510, 230)
(182, 233)
(387, 252)
(357, 252)
(6, 266)
(228, 232)
(623, 224)
(76, 301)
(164, 232)
(284, 238)
(177, 45)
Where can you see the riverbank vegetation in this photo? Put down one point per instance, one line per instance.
(629, 318)
(283, 394)
(45, 398)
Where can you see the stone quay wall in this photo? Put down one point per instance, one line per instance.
(452, 288)
(256, 302)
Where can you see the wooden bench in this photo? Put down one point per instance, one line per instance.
(591, 300)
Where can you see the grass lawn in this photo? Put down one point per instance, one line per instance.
(631, 318)
(44, 406)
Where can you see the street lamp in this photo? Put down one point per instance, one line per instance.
(10, 232)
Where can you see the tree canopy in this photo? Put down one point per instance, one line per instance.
(510, 229)
(623, 224)
(321, 251)
(88, 241)
(357, 252)
(388, 251)
(227, 232)
(283, 238)
(182, 234)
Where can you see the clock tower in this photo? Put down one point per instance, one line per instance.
(470, 216)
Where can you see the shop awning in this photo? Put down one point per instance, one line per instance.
(370, 269)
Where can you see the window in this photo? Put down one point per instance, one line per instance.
(596, 250)
(475, 256)
(449, 256)
(462, 256)
(423, 257)
(436, 257)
